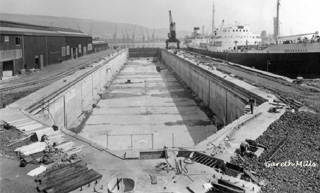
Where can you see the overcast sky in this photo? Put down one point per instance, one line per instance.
(297, 16)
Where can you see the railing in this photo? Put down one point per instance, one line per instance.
(156, 141)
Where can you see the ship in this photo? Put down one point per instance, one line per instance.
(291, 56)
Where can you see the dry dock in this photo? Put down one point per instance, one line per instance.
(121, 111)
(146, 109)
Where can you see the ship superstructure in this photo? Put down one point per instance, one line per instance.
(292, 56)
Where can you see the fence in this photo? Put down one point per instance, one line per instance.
(157, 140)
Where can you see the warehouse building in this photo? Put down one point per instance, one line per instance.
(26, 46)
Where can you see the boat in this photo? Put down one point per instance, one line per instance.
(292, 56)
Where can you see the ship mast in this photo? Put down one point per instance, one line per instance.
(278, 23)
(213, 10)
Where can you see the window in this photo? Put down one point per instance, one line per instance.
(6, 38)
(68, 50)
(89, 47)
(63, 51)
(79, 48)
(18, 41)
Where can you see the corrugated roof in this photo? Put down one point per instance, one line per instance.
(23, 31)
(15, 28)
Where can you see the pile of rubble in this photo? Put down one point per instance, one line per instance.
(291, 162)
(10, 139)
(60, 168)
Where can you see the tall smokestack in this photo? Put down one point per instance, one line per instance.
(213, 10)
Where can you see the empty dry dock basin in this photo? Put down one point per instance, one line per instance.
(145, 109)
(148, 109)
(138, 106)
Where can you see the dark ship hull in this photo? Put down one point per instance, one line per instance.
(292, 65)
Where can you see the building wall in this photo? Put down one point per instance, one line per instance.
(34, 46)
(74, 42)
(10, 50)
(100, 46)
(56, 52)
(37, 51)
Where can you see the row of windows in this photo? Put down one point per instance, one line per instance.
(236, 30)
(255, 42)
(18, 43)
(65, 50)
(17, 39)
(242, 36)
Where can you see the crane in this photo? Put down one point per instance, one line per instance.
(115, 35)
(172, 34)
(143, 38)
(148, 35)
(153, 37)
(134, 29)
(127, 36)
(123, 38)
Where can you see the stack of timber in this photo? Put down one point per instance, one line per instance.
(66, 178)
(40, 139)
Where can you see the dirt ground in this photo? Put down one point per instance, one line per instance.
(301, 151)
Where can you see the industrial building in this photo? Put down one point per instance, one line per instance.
(27, 46)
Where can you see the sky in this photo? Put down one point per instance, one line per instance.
(297, 16)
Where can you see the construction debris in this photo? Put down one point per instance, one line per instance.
(66, 178)
(296, 168)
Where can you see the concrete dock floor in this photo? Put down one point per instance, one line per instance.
(150, 112)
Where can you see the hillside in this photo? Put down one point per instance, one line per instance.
(96, 28)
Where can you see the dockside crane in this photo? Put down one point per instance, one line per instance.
(127, 37)
(153, 37)
(172, 34)
(123, 38)
(148, 36)
(143, 38)
(133, 34)
(115, 36)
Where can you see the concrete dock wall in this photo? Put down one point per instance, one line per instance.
(226, 99)
(144, 52)
(64, 106)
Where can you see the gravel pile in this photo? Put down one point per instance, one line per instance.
(295, 167)
(7, 136)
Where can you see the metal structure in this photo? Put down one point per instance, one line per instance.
(123, 38)
(127, 36)
(133, 35)
(213, 12)
(172, 41)
(153, 37)
(277, 27)
(115, 36)
(143, 38)
(148, 36)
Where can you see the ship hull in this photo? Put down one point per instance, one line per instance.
(306, 65)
